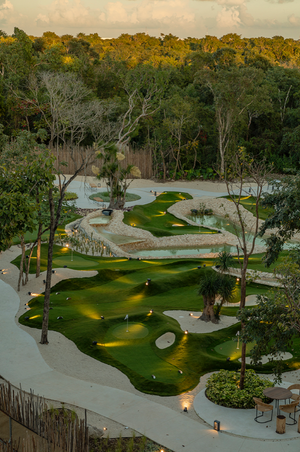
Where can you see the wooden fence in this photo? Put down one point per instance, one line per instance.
(141, 158)
(59, 428)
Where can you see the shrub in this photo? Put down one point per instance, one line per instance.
(70, 196)
(223, 389)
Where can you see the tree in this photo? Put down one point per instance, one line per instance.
(274, 322)
(117, 178)
(224, 261)
(234, 90)
(26, 174)
(285, 219)
(211, 285)
(243, 167)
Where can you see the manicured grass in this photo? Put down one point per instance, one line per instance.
(70, 196)
(104, 195)
(31, 236)
(249, 203)
(154, 217)
(118, 290)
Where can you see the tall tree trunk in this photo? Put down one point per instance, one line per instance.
(22, 262)
(242, 305)
(38, 251)
(44, 336)
(208, 314)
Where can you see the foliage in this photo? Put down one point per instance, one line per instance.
(70, 196)
(275, 322)
(225, 260)
(203, 209)
(285, 201)
(223, 389)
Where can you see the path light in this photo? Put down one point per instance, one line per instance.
(204, 265)
(94, 343)
(180, 371)
(26, 318)
(186, 332)
(102, 317)
(217, 425)
(199, 266)
(237, 279)
(29, 293)
(104, 429)
(44, 281)
(185, 409)
(151, 311)
(148, 282)
(191, 314)
(53, 271)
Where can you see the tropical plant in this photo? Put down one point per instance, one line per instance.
(212, 285)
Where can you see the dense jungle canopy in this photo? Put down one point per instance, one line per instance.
(196, 100)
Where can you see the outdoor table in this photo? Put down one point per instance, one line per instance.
(277, 394)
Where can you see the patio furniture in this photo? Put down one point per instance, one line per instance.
(290, 408)
(280, 424)
(277, 394)
(263, 408)
(295, 396)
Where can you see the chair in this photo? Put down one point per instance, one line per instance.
(290, 409)
(295, 396)
(263, 408)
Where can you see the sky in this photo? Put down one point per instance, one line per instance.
(182, 18)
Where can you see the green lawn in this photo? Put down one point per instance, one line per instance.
(249, 203)
(118, 290)
(154, 217)
(31, 236)
(104, 195)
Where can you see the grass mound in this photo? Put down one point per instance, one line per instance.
(154, 217)
(94, 310)
(223, 389)
(104, 195)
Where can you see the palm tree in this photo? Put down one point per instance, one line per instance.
(211, 285)
(224, 260)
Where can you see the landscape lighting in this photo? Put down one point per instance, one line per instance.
(186, 332)
(185, 409)
(180, 371)
(190, 313)
(151, 311)
(217, 426)
(94, 343)
(53, 271)
(29, 293)
(237, 279)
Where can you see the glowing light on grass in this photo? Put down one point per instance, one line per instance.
(34, 317)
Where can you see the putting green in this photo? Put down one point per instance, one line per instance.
(77, 262)
(134, 331)
(230, 350)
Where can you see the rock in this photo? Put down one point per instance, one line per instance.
(95, 432)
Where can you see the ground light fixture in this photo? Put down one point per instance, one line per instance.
(151, 311)
(29, 293)
(148, 282)
(237, 279)
(217, 425)
(94, 343)
(185, 409)
(186, 332)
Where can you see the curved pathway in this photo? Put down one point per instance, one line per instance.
(21, 363)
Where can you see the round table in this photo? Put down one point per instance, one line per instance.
(277, 394)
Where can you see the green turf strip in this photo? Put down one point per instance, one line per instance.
(154, 217)
(119, 289)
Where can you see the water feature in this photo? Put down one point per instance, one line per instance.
(218, 222)
(171, 252)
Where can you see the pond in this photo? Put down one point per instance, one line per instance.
(215, 221)
(171, 252)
